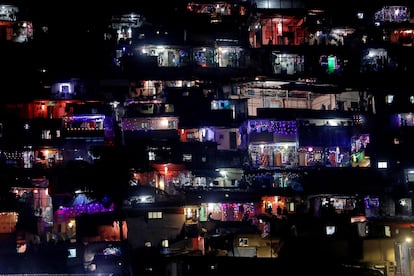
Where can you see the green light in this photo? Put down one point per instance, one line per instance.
(331, 64)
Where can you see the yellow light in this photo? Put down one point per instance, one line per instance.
(71, 223)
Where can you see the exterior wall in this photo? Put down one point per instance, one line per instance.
(323, 101)
(223, 139)
(382, 254)
(142, 230)
(295, 103)
(379, 250)
(349, 99)
(257, 246)
(253, 104)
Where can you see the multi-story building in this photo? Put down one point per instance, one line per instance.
(273, 92)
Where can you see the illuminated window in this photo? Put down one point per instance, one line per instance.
(330, 230)
(71, 253)
(187, 157)
(387, 231)
(169, 108)
(46, 134)
(172, 124)
(64, 88)
(382, 164)
(389, 99)
(154, 215)
(243, 242)
(164, 243)
(287, 64)
(410, 176)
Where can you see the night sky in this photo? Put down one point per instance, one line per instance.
(69, 42)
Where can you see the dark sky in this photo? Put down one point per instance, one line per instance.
(79, 12)
(78, 27)
(73, 45)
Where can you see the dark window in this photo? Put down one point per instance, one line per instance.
(233, 143)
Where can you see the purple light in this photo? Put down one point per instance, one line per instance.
(287, 128)
(65, 213)
(88, 117)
